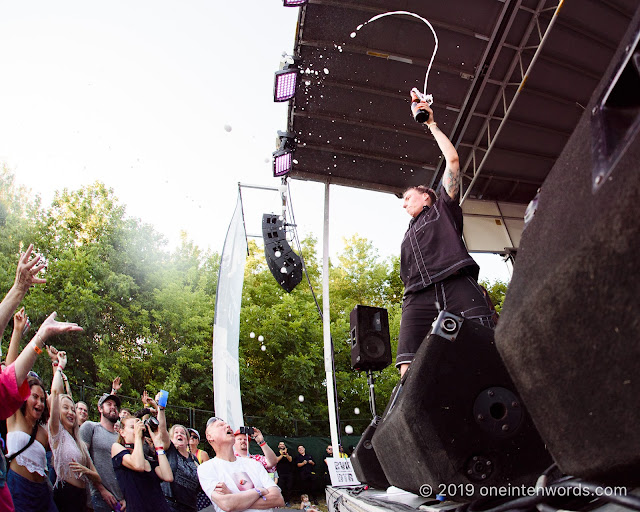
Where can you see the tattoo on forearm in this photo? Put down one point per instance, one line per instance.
(451, 180)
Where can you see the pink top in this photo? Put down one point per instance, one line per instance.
(11, 396)
(65, 451)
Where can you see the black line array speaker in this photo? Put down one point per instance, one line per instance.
(456, 422)
(284, 264)
(370, 339)
(365, 462)
(569, 331)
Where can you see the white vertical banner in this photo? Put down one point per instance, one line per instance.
(226, 324)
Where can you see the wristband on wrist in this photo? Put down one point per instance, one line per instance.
(55, 363)
(160, 451)
(262, 443)
(36, 348)
(260, 494)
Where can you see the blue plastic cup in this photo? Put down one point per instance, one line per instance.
(164, 396)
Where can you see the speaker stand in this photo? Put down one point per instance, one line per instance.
(372, 393)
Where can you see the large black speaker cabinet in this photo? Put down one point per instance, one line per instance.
(456, 422)
(284, 264)
(370, 340)
(365, 462)
(569, 331)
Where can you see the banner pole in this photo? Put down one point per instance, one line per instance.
(326, 326)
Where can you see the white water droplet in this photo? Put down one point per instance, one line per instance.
(348, 429)
(277, 254)
(261, 338)
(353, 34)
(263, 348)
(356, 410)
(252, 335)
(301, 398)
(227, 128)
(326, 71)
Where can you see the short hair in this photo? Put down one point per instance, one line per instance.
(423, 189)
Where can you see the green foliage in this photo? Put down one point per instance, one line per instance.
(497, 291)
(147, 313)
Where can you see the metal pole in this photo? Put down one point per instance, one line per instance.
(326, 326)
(372, 393)
(515, 97)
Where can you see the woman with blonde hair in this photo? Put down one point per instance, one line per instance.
(71, 460)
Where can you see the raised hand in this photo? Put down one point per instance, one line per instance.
(21, 322)
(51, 327)
(26, 273)
(62, 359)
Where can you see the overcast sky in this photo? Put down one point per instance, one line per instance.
(170, 103)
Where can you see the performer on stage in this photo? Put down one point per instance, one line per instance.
(437, 271)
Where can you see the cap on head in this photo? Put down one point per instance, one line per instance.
(193, 431)
(106, 397)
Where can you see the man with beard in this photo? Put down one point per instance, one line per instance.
(99, 437)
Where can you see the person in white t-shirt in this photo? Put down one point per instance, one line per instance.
(235, 483)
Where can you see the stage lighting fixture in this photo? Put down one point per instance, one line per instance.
(284, 87)
(293, 3)
(283, 157)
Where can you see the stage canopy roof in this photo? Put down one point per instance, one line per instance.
(509, 86)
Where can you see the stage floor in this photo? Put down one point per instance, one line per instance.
(344, 499)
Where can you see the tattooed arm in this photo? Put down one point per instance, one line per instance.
(451, 177)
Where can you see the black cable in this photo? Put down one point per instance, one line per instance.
(304, 268)
(540, 500)
(632, 502)
(526, 502)
(299, 246)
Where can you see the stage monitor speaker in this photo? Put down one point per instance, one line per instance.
(456, 422)
(284, 264)
(569, 331)
(370, 340)
(365, 461)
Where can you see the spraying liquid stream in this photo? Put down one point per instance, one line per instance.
(378, 16)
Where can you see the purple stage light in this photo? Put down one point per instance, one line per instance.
(283, 157)
(282, 162)
(284, 87)
(293, 3)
